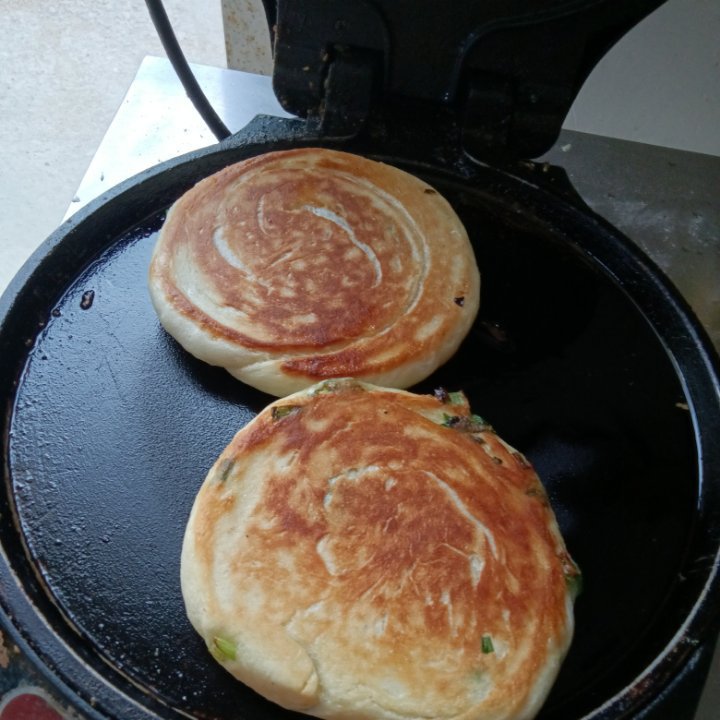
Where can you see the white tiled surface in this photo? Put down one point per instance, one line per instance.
(65, 66)
(157, 122)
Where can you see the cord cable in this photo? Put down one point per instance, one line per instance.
(182, 68)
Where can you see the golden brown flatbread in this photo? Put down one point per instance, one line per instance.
(300, 265)
(366, 553)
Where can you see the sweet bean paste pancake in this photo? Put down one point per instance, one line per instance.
(305, 264)
(360, 552)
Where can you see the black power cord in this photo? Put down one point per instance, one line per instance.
(184, 73)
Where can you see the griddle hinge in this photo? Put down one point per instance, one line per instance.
(328, 62)
(347, 91)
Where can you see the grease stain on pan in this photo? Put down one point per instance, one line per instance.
(87, 299)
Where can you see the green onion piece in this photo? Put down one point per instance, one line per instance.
(487, 645)
(281, 411)
(223, 649)
(329, 386)
(574, 583)
(478, 424)
(572, 573)
(225, 468)
(456, 398)
(450, 420)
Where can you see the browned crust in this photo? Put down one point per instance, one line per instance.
(399, 506)
(330, 249)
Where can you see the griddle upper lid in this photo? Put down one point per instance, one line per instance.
(504, 71)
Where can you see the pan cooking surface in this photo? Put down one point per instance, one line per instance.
(114, 427)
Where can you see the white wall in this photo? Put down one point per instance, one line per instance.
(661, 83)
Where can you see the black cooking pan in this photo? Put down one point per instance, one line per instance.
(583, 356)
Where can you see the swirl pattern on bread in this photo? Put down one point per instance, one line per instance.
(367, 553)
(300, 265)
